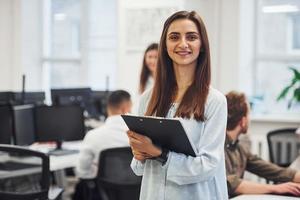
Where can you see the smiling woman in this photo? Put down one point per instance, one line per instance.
(183, 42)
(182, 90)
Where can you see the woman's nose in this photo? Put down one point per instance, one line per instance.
(183, 43)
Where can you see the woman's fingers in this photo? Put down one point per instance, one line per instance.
(137, 136)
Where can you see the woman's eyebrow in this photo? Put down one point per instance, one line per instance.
(192, 33)
(174, 33)
(177, 33)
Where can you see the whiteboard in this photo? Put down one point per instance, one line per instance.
(144, 26)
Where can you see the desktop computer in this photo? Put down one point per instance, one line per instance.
(6, 98)
(6, 124)
(59, 123)
(23, 125)
(97, 106)
(71, 96)
(36, 98)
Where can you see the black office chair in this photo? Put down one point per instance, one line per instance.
(284, 146)
(24, 175)
(115, 179)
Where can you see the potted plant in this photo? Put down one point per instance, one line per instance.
(294, 86)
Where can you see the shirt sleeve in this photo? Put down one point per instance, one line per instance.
(136, 165)
(85, 166)
(184, 169)
(233, 181)
(268, 170)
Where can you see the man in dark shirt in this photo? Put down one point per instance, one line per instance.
(239, 159)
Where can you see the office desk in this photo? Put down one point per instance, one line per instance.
(263, 197)
(62, 161)
(58, 164)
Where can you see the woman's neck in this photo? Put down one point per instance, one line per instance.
(184, 78)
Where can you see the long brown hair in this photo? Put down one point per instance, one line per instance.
(165, 87)
(145, 73)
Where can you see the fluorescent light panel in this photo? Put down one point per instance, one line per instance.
(60, 16)
(287, 8)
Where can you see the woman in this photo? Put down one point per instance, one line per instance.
(149, 67)
(182, 90)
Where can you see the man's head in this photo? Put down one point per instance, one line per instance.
(119, 103)
(238, 112)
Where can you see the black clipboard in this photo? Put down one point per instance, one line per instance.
(167, 133)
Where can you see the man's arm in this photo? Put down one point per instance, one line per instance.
(248, 187)
(297, 177)
(268, 170)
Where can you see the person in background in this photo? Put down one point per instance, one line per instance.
(110, 135)
(239, 159)
(149, 67)
(182, 90)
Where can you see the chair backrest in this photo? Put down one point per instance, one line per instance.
(115, 175)
(284, 146)
(24, 174)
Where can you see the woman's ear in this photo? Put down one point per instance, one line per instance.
(244, 121)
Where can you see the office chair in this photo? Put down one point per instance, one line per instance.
(24, 175)
(284, 146)
(115, 179)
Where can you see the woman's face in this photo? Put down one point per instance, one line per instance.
(151, 60)
(183, 42)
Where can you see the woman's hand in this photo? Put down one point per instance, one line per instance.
(142, 146)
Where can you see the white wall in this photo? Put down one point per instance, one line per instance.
(223, 26)
(6, 24)
(31, 43)
(130, 61)
(20, 44)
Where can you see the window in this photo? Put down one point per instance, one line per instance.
(79, 43)
(277, 48)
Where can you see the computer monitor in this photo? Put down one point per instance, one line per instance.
(6, 125)
(6, 98)
(36, 98)
(23, 123)
(59, 123)
(71, 96)
(97, 106)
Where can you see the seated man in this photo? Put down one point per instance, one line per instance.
(239, 159)
(110, 135)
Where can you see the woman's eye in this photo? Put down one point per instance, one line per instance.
(192, 37)
(173, 37)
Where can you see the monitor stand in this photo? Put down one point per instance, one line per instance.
(59, 151)
(58, 145)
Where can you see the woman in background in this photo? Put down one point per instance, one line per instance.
(149, 67)
(182, 90)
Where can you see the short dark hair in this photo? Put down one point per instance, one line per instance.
(117, 97)
(237, 108)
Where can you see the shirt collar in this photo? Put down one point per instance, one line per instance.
(115, 120)
(229, 143)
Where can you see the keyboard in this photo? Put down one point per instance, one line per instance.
(11, 166)
(62, 152)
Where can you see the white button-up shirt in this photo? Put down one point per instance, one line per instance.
(111, 135)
